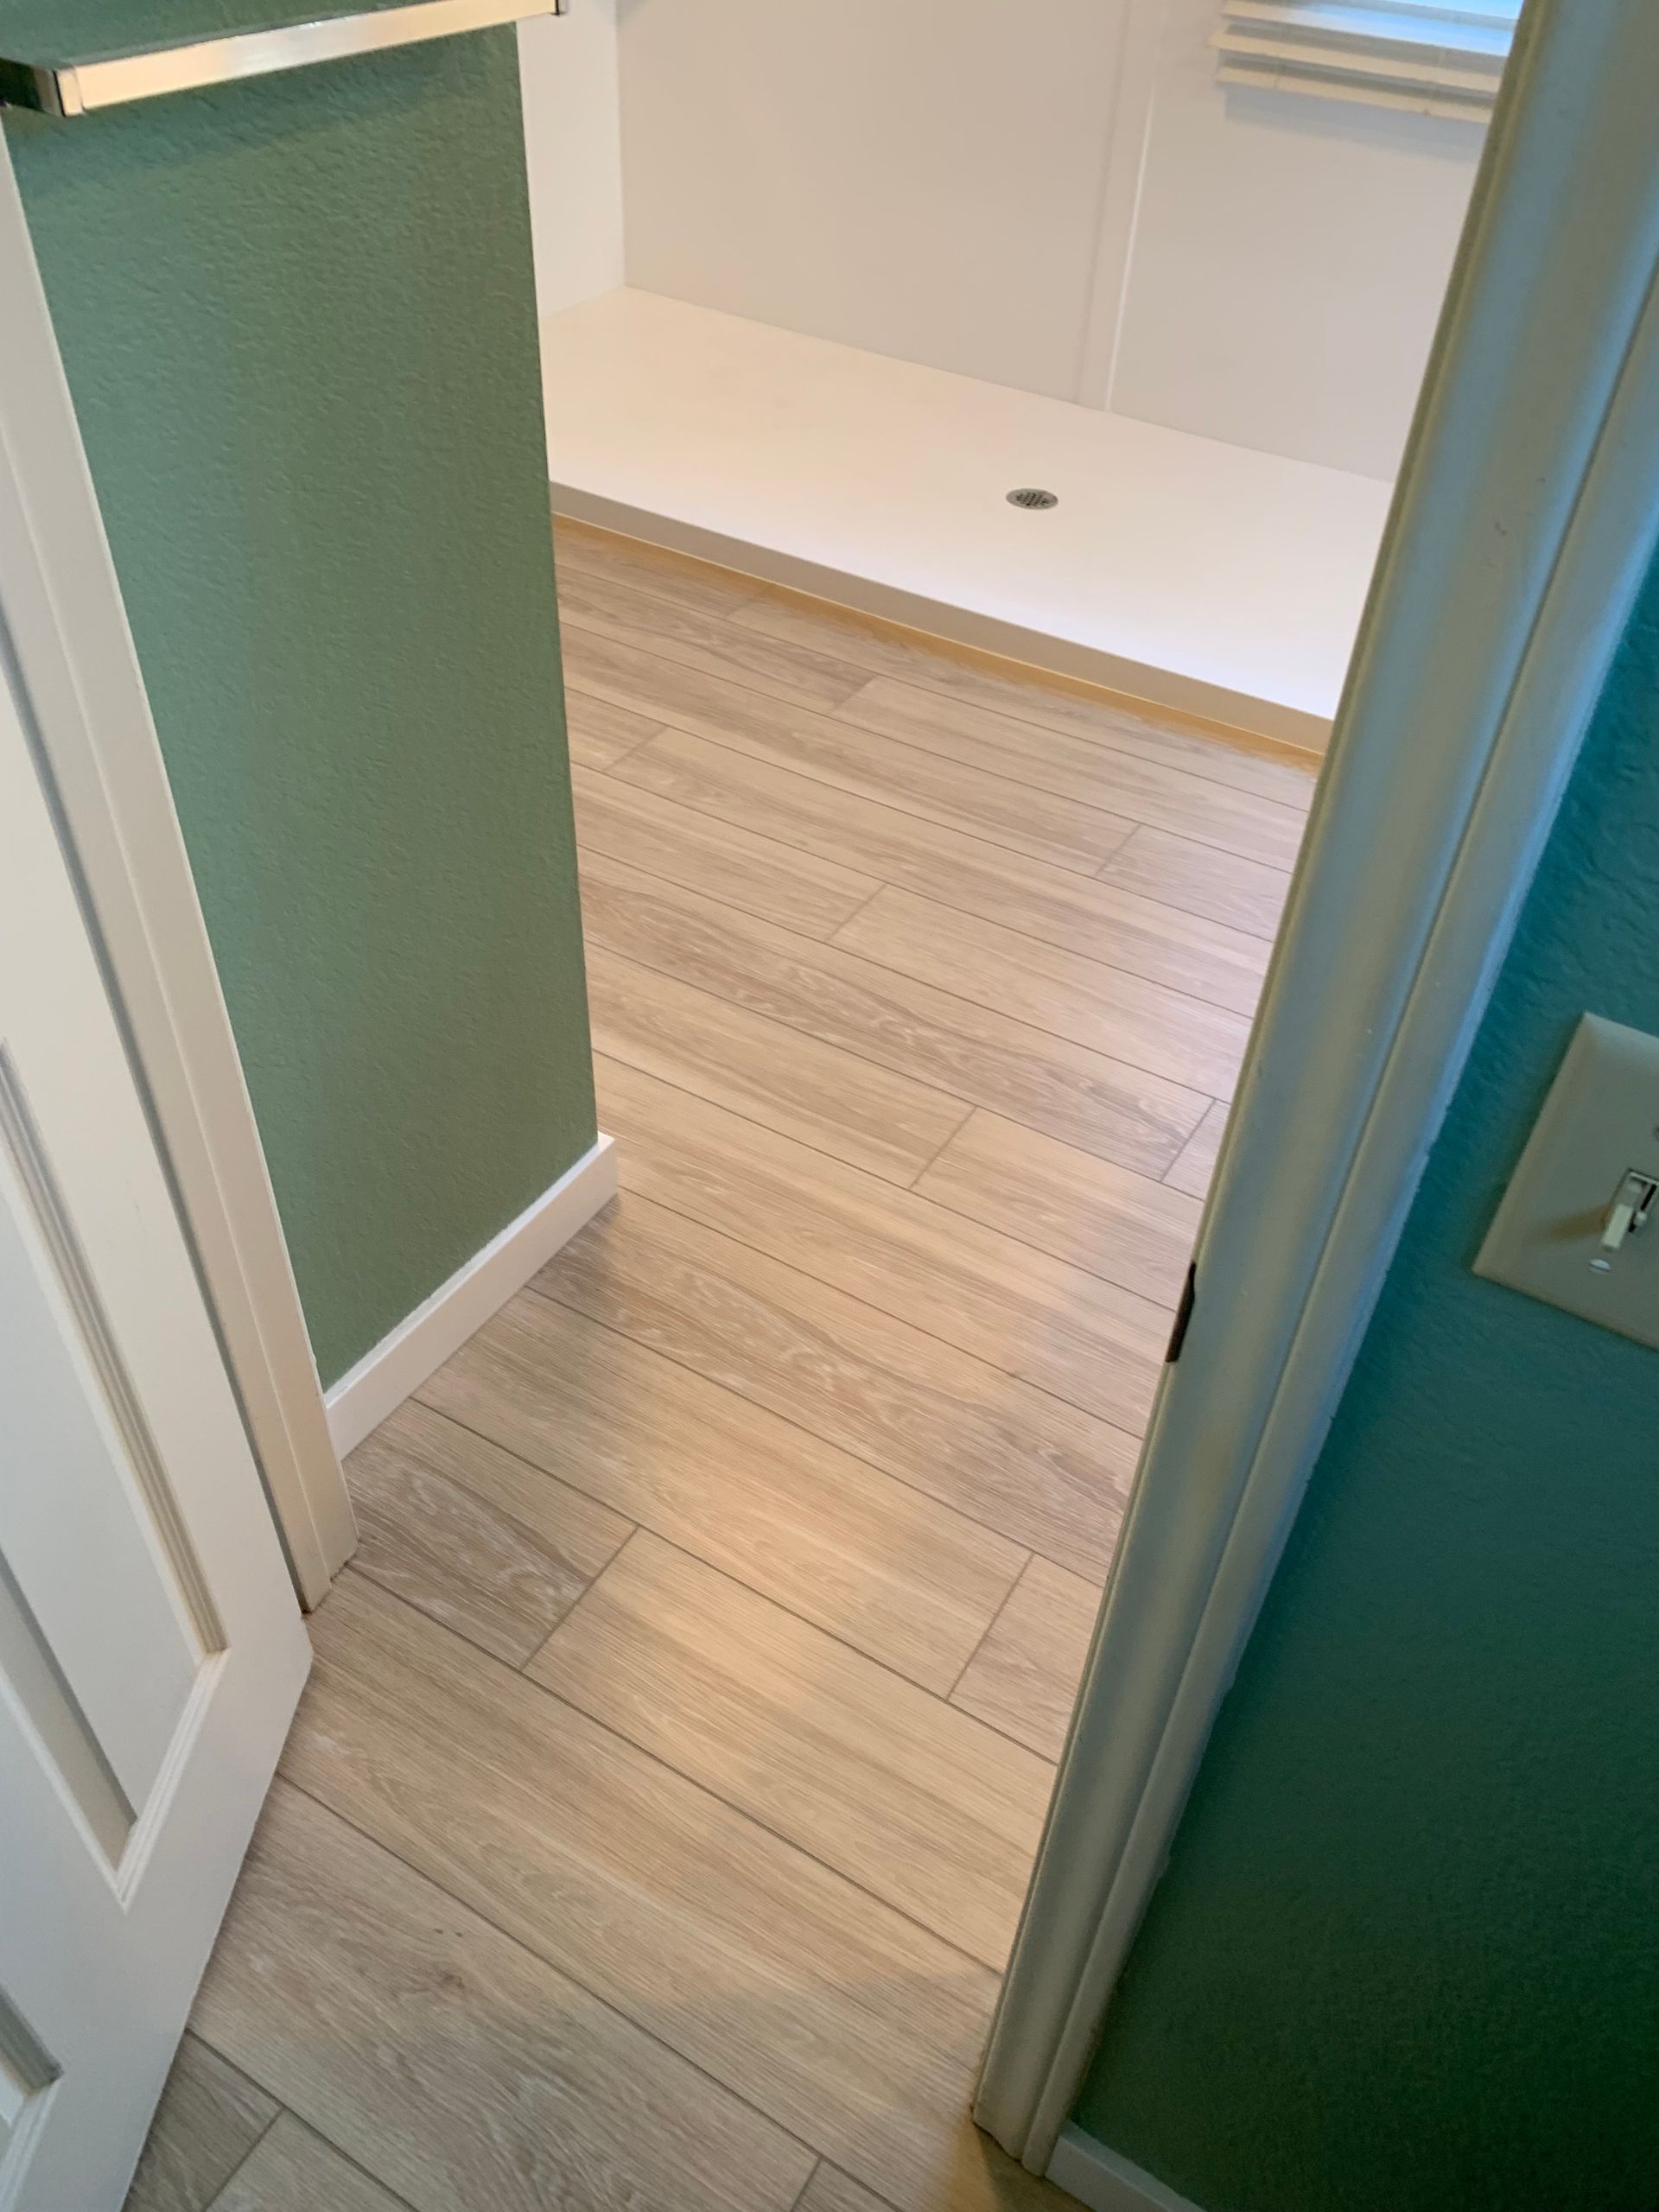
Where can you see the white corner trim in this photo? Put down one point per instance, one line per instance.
(420, 1343)
(1105, 2183)
(1123, 179)
(1524, 523)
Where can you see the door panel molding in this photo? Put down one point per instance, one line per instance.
(44, 1702)
(27, 2073)
(23, 1149)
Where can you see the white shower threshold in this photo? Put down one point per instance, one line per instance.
(1206, 577)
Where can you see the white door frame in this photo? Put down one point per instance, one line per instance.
(1524, 521)
(105, 769)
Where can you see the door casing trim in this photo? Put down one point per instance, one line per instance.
(1523, 525)
(103, 771)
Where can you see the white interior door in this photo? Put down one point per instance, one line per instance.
(151, 1649)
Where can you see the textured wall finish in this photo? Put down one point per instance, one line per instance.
(70, 30)
(298, 323)
(1406, 1957)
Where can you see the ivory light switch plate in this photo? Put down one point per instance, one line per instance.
(1564, 1232)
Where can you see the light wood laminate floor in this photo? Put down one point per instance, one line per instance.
(654, 1825)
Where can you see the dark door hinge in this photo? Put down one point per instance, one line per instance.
(1183, 1315)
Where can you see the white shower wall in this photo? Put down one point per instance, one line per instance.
(1054, 195)
(919, 177)
(572, 151)
(1287, 256)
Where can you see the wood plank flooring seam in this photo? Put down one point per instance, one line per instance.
(483, 1439)
(956, 1213)
(592, 736)
(659, 821)
(793, 1081)
(1202, 1098)
(680, 1906)
(686, 1552)
(838, 2180)
(1025, 692)
(857, 910)
(806, 2185)
(799, 1029)
(910, 1320)
(714, 1796)
(623, 632)
(1143, 907)
(1084, 737)
(224, 2188)
(209, 2116)
(960, 1213)
(569, 1306)
(381, 1564)
(1115, 1051)
(523, 1666)
(1110, 872)
(477, 1912)
(669, 1084)
(1192, 1170)
(889, 709)
(928, 662)
(1024, 1678)
(927, 1165)
(1088, 870)
(1170, 1306)
(939, 1697)
(1101, 959)
(1121, 744)
(887, 1787)
(1098, 956)
(750, 949)
(345, 2158)
(617, 758)
(950, 1695)
(938, 896)
(741, 768)
(809, 1523)
(941, 898)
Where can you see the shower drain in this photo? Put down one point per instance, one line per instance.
(1029, 496)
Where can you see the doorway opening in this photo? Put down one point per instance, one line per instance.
(922, 972)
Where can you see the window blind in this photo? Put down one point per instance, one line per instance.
(1438, 57)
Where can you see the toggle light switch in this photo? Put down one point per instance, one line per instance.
(1627, 1213)
(1575, 1226)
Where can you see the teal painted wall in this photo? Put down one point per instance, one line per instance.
(1405, 1954)
(298, 322)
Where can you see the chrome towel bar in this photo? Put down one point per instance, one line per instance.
(71, 88)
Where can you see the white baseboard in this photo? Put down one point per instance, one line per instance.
(1105, 2183)
(401, 1362)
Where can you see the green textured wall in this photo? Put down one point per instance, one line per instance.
(1405, 1954)
(298, 323)
(55, 31)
